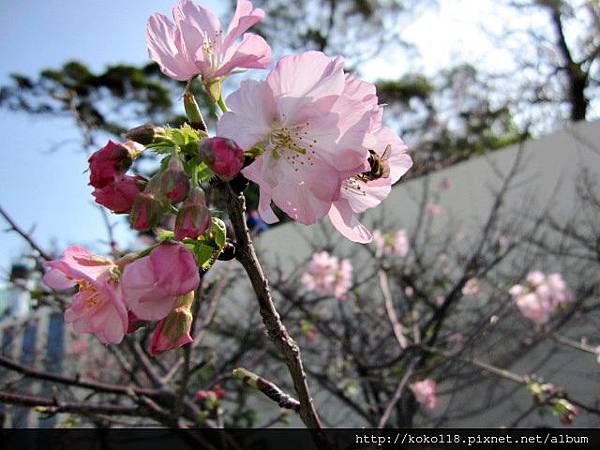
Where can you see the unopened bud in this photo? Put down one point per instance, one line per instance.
(111, 162)
(214, 89)
(146, 211)
(193, 217)
(566, 411)
(174, 330)
(119, 195)
(223, 156)
(174, 182)
(192, 110)
(144, 134)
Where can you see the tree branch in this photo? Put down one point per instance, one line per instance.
(236, 206)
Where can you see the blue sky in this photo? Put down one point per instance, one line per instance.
(49, 190)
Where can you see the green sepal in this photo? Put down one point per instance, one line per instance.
(209, 245)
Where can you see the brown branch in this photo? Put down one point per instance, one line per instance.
(268, 388)
(397, 327)
(398, 394)
(99, 387)
(47, 405)
(236, 207)
(24, 235)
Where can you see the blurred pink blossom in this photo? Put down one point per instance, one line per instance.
(433, 209)
(195, 45)
(472, 288)
(328, 275)
(425, 392)
(396, 244)
(540, 296)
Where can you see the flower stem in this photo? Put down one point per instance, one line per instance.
(222, 105)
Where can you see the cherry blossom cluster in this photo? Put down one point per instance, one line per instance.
(540, 296)
(113, 299)
(328, 275)
(310, 136)
(425, 392)
(391, 244)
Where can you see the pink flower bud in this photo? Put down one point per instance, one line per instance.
(174, 181)
(120, 194)
(152, 285)
(111, 162)
(146, 211)
(223, 156)
(219, 391)
(193, 217)
(174, 330)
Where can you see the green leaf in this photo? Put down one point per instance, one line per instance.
(208, 246)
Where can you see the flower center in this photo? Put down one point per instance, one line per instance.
(293, 144)
(90, 294)
(211, 47)
(354, 186)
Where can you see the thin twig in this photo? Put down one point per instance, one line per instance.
(24, 235)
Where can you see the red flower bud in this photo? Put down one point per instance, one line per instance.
(223, 156)
(193, 217)
(120, 194)
(174, 330)
(111, 162)
(146, 211)
(174, 181)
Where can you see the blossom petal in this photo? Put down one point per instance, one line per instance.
(245, 16)
(164, 49)
(345, 221)
(254, 113)
(252, 53)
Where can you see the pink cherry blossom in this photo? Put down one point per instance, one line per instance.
(195, 45)
(472, 288)
(541, 296)
(534, 308)
(433, 209)
(425, 392)
(328, 275)
(310, 130)
(151, 284)
(359, 193)
(396, 244)
(97, 308)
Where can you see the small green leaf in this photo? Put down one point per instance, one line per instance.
(208, 246)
